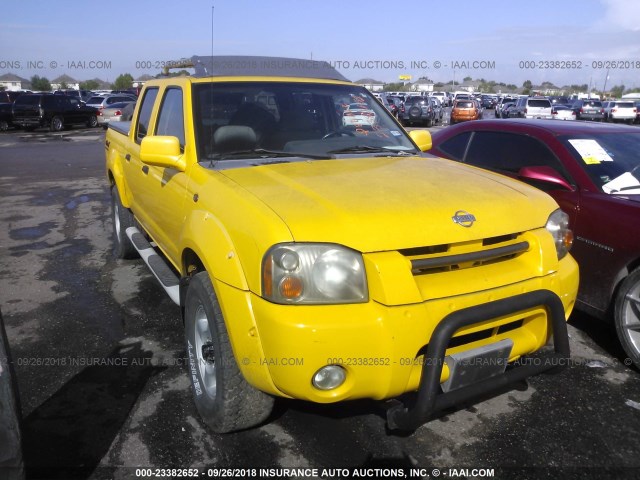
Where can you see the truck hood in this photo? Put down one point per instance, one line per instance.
(389, 203)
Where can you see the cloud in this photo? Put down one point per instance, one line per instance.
(622, 13)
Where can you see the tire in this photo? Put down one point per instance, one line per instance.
(57, 124)
(627, 316)
(92, 122)
(122, 219)
(4, 125)
(429, 122)
(224, 399)
(415, 113)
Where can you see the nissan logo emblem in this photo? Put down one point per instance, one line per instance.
(463, 218)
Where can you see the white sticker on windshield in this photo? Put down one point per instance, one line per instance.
(396, 133)
(591, 151)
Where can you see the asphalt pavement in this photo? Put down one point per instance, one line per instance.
(99, 357)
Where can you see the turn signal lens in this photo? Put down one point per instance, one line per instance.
(291, 287)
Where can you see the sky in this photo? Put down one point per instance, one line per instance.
(561, 41)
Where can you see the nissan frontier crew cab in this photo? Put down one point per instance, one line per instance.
(318, 254)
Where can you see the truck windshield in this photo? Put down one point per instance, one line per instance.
(241, 120)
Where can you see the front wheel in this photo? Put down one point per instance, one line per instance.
(224, 399)
(627, 316)
(4, 125)
(92, 122)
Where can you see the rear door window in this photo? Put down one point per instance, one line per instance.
(540, 103)
(456, 146)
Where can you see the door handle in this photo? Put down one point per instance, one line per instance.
(145, 169)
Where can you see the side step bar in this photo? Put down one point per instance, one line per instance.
(168, 280)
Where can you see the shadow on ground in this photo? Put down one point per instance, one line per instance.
(67, 436)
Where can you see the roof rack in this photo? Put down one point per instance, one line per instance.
(252, 66)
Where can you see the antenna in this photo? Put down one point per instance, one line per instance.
(212, 7)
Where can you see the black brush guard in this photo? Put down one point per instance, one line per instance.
(430, 399)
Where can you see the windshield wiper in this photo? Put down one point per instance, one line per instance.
(368, 149)
(263, 153)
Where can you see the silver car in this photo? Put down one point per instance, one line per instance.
(112, 112)
(101, 102)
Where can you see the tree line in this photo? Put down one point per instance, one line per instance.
(491, 86)
(42, 84)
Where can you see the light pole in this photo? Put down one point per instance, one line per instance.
(604, 89)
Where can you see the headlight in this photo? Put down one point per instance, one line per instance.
(313, 273)
(558, 227)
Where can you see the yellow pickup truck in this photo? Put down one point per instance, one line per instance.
(318, 254)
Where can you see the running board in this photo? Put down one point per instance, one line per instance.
(168, 280)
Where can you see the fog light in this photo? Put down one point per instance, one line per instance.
(329, 377)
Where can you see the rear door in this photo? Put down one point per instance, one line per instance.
(538, 108)
(73, 112)
(626, 110)
(138, 189)
(26, 109)
(591, 108)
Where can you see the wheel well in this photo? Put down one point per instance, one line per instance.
(191, 264)
(622, 275)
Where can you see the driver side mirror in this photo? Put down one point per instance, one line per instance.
(546, 175)
(162, 151)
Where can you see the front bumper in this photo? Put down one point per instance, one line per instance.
(430, 399)
(622, 118)
(590, 116)
(381, 347)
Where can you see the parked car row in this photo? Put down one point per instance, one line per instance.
(60, 110)
(467, 106)
(578, 109)
(35, 110)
